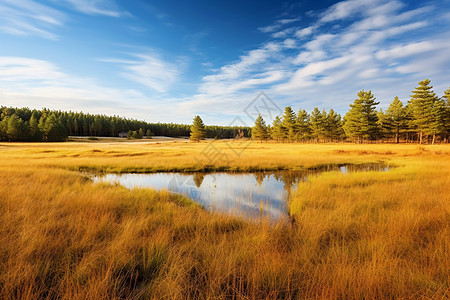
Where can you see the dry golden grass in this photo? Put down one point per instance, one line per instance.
(360, 235)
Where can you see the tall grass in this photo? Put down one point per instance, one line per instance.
(359, 235)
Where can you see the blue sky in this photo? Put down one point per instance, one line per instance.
(170, 60)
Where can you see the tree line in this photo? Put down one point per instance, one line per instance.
(425, 118)
(31, 125)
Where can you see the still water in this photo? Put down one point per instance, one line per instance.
(261, 194)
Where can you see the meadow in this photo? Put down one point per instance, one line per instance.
(357, 235)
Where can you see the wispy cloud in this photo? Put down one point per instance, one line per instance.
(28, 17)
(39, 83)
(245, 73)
(31, 18)
(381, 46)
(277, 25)
(348, 9)
(149, 70)
(96, 7)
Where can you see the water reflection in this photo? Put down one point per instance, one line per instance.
(247, 194)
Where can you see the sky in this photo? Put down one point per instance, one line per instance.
(167, 61)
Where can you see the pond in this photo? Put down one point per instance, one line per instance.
(253, 195)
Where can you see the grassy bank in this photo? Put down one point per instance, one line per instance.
(371, 235)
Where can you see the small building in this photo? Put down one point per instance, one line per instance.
(123, 134)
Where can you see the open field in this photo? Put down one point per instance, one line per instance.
(358, 235)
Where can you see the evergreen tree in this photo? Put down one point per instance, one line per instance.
(136, 135)
(447, 118)
(360, 122)
(97, 126)
(438, 125)
(259, 131)
(35, 132)
(397, 116)
(4, 128)
(385, 124)
(54, 130)
(303, 125)
(422, 102)
(333, 128)
(198, 131)
(41, 124)
(289, 123)
(318, 124)
(447, 95)
(17, 130)
(277, 132)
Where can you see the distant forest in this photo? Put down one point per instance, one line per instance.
(424, 119)
(26, 125)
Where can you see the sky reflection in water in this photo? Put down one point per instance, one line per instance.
(245, 194)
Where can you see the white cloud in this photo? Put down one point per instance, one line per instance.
(371, 50)
(31, 18)
(381, 46)
(23, 69)
(346, 9)
(27, 17)
(289, 43)
(39, 83)
(405, 50)
(304, 32)
(288, 21)
(96, 7)
(32, 82)
(283, 33)
(309, 56)
(150, 70)
(277, 25)
(229, 78)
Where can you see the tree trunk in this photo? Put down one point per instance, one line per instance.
(420, 137)
(397, 135)
(434, 138)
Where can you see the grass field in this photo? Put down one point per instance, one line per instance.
(357, 235)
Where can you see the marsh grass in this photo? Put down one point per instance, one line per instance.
(356, 235)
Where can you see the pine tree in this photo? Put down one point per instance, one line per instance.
(198, 131)
(277, 132)
(259, 131)
(303, 125)
(360, 122)
(438, 125)
(397, 116)
(4, 127)
(447, 118)
(422, 102)
(318, 124)
(136, 135)
(353, 120)
(35, 132)
(333, 128)
(289, 123)
(54, 130)
(385, 124)
(17, 130)
(41, 125)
